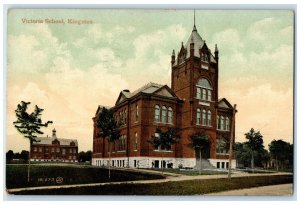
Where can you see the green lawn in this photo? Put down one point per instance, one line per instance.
(189, 187)
(47, 175)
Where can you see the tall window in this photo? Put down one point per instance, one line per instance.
(125, 116)
(164, 114)
(170, 115)
(222, 123)
(209, 118)
(136, 113)
(203, 117)
(204, 94)
(198, 93)
(156, 135)
(157, 113)
(209, 95)
(204, 89)
(227, 123)
(135, 141)
(198, 116)
(218, 123)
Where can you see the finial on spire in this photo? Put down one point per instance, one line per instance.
(216, 48)
(194, 19)
(194, 29)
(173, 53)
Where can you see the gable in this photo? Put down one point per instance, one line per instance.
(164, 92)
(223, 104)
(121, 98)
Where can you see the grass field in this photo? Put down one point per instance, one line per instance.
(47, 175)
(190, 187)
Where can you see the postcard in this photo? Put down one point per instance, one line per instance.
(149, 102)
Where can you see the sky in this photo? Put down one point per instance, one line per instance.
(70, 69)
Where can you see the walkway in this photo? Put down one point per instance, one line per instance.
(169, 178)
(272, 190)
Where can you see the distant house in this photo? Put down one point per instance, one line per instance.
(54, 149)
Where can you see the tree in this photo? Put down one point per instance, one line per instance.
(280, 151)
(9, 156)
(109, 130)
(24, 155)
(29, 125)
(85, 156)
(255, 143)
(198, 142)
(164, 140)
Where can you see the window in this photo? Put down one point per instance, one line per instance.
(40, 149)
(74, 157)
(204, 57)
(35, 149)
(156, 135)
(157, 113)
(164, 114)
(125, 116)
(227, 123)
(136, 113)
(209, 95)
(209, 118)
(204, 94)
(63, 151)
(198, 116)
(218, 123)
(222, 123)
(46, 150)
(74, 151)
(57, 149)
(204, 90)
(122, 143)
(135, 141)
(170, 115)
(52, 149)
(198, 93)
(70, 151)
(203, 117)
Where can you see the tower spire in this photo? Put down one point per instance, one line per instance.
(194, 29)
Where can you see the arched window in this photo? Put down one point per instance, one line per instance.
(164, 114)
(204, 89)
(125, 116)
(203, 117)
(136, 113)
(136, 141)
(227, 123)
(198, 116)
(157, 113)
(209, 118)
(170, 115)
(222, 123)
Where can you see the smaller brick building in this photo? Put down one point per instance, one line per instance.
(54, 149)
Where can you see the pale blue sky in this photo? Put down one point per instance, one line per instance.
(70, 69)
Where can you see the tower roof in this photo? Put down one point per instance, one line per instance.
(197, 40)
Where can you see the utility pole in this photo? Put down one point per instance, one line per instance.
(231, 141)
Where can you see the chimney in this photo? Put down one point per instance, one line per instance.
(54, 133)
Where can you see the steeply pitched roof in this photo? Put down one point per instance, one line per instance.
(49, 140)
(150, 88)
(198, 44)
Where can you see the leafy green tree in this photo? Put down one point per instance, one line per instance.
(29, 125)
(255, 143)
(280, 151)
(9, 156)
(164, 139)
(109, 130)
(198, 141)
